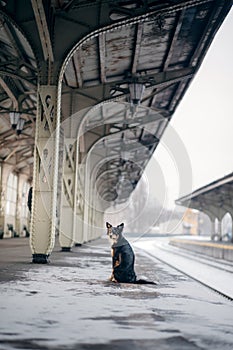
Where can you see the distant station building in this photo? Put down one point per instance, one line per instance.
(190, 221)
(215, 200)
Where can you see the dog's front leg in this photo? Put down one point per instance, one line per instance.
(112, 278)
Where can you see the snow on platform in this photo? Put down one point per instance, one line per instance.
(69, 304)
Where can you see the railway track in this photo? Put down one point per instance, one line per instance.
(179, 269)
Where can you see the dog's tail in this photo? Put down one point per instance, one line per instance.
(141, 281)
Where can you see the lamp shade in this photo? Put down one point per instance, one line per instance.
(19, 126)
(14, 118)
(136, 91)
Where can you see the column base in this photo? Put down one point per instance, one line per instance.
(40, 258)
(66, 249)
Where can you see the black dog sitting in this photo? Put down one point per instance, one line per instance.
(122, 257)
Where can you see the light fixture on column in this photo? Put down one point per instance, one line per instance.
(19, 126)
(136, 90)
(14, 118)
(125, 155)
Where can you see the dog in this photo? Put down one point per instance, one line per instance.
(122, 257)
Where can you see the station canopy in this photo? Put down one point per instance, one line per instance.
(214, 199)
(137, 57)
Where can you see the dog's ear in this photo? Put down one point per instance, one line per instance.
(108, 225)
(121, 226)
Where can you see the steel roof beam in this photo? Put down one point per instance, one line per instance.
(137, 47)
(202, 45)
(11, 153)
(102, 57)
(22, 58)
(20, 76)
(162, 79)
(10, 93)
(14, 143)
(173, 41)
(43, 30)
(77, 68)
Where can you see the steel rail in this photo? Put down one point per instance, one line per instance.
(186, 274)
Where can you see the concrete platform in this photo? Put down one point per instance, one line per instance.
(69, 304)
(216, 249)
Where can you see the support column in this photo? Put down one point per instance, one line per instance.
(67, 218)
(214, 213)
(88, 206)
(5, 170)
(72, 203)
(213, 233)
(2, 202)
(93, 210)
(79, 217)
(219, 229)
(18, 206)
(231, 212)
(45, 178)
(98, 224)
(22, 220)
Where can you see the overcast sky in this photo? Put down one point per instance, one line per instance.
(202, 125)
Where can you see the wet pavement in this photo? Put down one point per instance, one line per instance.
(70, 304)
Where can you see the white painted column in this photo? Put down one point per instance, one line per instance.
(45, 178)
(2, 202)
(5, 172)
(80, 203)
(93, 210)
(68, 201)
(18, 206)
(87, 210)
